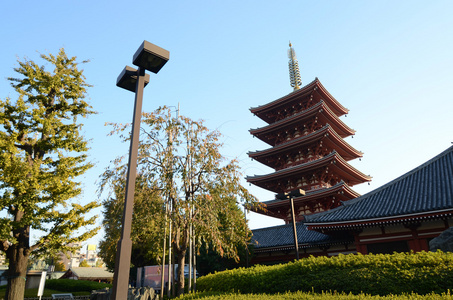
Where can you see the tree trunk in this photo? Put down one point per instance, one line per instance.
(181, 281)
(17, 272)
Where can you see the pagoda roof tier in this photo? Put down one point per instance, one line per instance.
(326, 137)
(320, 112)
(313, 91)
(277, 208)
(333, 163)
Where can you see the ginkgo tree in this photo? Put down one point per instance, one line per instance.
(183, 159)
(42, 152)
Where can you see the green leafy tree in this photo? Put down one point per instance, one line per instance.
(59, 267)
(146, 233)
(100, 264)
(42, 152)
(182, 158)
(209, 261)
(84, 264)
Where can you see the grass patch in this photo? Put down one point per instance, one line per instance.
(30, 293)
(62, 286)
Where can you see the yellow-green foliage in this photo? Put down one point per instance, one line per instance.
(313, 296)
(381, 274)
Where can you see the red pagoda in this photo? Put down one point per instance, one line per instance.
(308, 150)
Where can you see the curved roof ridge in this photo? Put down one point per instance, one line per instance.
(320, 105)
(315, 134)
(401, 177)
(314, 216)
(290, 118)
(289, 169)
(330, 95)
(293, 141)
(367, 208)
(300, 91)
(271, 228)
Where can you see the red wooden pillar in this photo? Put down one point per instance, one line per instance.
(361, 248)
(415, 244)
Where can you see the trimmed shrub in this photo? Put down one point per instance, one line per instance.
(380, 274)
(312, 296)
(70, 285)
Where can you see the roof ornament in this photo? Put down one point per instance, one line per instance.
(294, 73)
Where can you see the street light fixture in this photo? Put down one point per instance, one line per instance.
(128, 79)
(152, 58)
(291, 195)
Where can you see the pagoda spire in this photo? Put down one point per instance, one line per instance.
(294, 73)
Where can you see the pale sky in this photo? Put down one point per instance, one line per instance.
(389, 62)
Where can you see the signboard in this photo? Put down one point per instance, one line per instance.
(42, 282)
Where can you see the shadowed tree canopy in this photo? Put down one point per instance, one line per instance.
(181, 158)
(42, 152)
(147, 220)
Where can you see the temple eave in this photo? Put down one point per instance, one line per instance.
(314, 86)
(328, 138)
(332, 163)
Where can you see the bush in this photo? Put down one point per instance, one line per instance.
(70, 285)
(312, 296)
(381, 274)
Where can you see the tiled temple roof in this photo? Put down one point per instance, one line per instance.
(425, 191)
(281, 237)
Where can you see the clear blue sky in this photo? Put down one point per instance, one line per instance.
(389, 62)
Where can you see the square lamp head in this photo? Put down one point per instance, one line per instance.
(151, 57)
(128, 79)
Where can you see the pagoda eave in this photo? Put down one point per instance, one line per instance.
(319, 113)
(314, 86)
(326, 135)
(333, 163)
(279, 208)
(341, 189)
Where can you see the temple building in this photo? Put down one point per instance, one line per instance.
(308, 152)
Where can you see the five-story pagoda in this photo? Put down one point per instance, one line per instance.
(308, 150)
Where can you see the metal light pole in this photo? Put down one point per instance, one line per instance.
(291, 195)
(152, 58)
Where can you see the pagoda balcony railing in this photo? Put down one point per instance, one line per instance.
(291, 163)
(319, 186)
(311, 186)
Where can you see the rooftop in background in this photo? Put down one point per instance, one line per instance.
(281, 237)
(425, 189)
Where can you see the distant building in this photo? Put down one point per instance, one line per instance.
(69, 259)
(88, 273)
(91, 255)
(2, 259)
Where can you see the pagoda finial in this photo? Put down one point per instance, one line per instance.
(294, 73)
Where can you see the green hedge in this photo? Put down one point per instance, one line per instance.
(69, 285)
(381, 274)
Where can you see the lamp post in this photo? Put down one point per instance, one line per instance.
(291, 195)
(152, 58)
